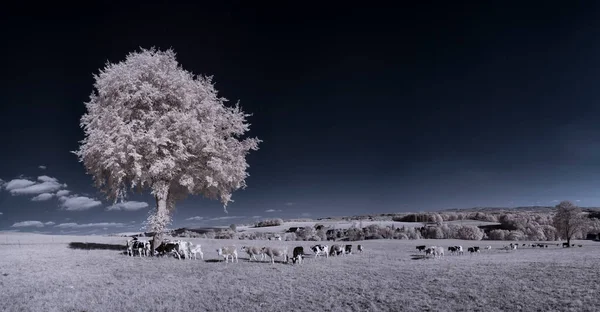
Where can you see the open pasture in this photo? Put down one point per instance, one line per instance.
(42, 273)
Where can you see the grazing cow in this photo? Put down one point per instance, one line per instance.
(348, 249)
(488, 247)
(227, 251)
(195, 249)
(168, 248)
(273, 252)
(253, 252)
(298, 255)
(565, 245)
(459, 250)
(577, 245)
(320, 250)
(474, 249)
(452, 249)
(359, 248)
(428, 251)
(523, 245)
(336, 250)
(421, 248)
(541, 245)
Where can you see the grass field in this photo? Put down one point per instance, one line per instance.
(42, 273)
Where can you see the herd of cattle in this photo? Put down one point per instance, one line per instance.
(188, 250)
(437, 251)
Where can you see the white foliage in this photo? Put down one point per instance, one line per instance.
(151, 124)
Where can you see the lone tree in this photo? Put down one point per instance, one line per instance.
(150, 124)
(568, 220)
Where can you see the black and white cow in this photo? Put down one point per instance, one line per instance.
(359, 248)
(141, 246)
(166, 248)
(348, 249)
(320, 250)
(336, 250)
(421, 248)
(298, 255)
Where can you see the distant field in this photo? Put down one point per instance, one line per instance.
(41, 273)
(348, 224)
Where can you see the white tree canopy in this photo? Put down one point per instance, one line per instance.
(569, 220)
(152, 124)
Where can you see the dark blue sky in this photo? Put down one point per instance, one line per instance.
(361, 110)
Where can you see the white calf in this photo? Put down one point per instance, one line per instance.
(438, 251)
(225, 252)
(195, 249)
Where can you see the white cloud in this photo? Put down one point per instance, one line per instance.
(42, 197)
(44, 187)
(46, 178)
(195, 219)
(256, 217)
(128, 206)
(88, 225)
(78, 203)
(289, 204)
(28, 224)
(62, 193)
(2, 183)
(17, 184)
(578, 200)
(1, 213)
(272, 210)
(42, 167)
(225, 218)
(49, 223)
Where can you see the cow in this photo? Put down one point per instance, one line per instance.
(320, 250)
(183, 249)
(438, 251)
(348, 249)
(460, 250)
(565, 245)
(428, 251)
(336, 250)
(452, 249)
(141, 246)
(228, 251)
(359, 248)
(488, 247)
(253, 252)
(168, 248)
(195, 249)
(273, 252)
(421, 248)
(298, 255)
(474, 249)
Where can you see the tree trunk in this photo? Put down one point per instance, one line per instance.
(568, 242)
(161, 210)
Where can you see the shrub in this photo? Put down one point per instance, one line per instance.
(515, 235)
(498, 234)
(269, 222)
(469, 232)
